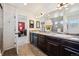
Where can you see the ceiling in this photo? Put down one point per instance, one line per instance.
(36, 8)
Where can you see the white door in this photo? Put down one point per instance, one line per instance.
(12, 28)
(9, 27)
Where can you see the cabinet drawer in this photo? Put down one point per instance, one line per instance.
(72, 44)
(70, 52)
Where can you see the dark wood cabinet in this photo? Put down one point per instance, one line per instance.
(71, 48)
(39, 41)
(53, 49)
(46, 44)
(42, 43)
(31, 38)
(54, 46)
(69, 52)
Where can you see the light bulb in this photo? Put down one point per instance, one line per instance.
(25, 3)
(58, 5)
(65, 6)
(72, 3)
(56, 23)
(61, 22)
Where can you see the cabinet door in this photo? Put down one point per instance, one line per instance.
(70, 52)
(42, 43)
(35, 39)
(53, 49)
(32, 38)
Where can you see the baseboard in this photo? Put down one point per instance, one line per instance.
(8, 48)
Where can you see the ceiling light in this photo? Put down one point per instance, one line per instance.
(58, 5)
(25, 3)
(72, 3)
(56, 23)
(61, 22)
(62, 5)
(65, 6)
(60, 8)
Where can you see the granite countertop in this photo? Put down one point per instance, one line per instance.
(69, 37)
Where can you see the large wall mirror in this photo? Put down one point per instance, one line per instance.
(57, 24)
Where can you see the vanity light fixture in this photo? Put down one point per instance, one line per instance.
(62, 5)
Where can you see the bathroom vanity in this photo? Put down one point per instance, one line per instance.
(54, 44)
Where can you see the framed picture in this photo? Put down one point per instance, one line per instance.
(37, 24)
(31, 23)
